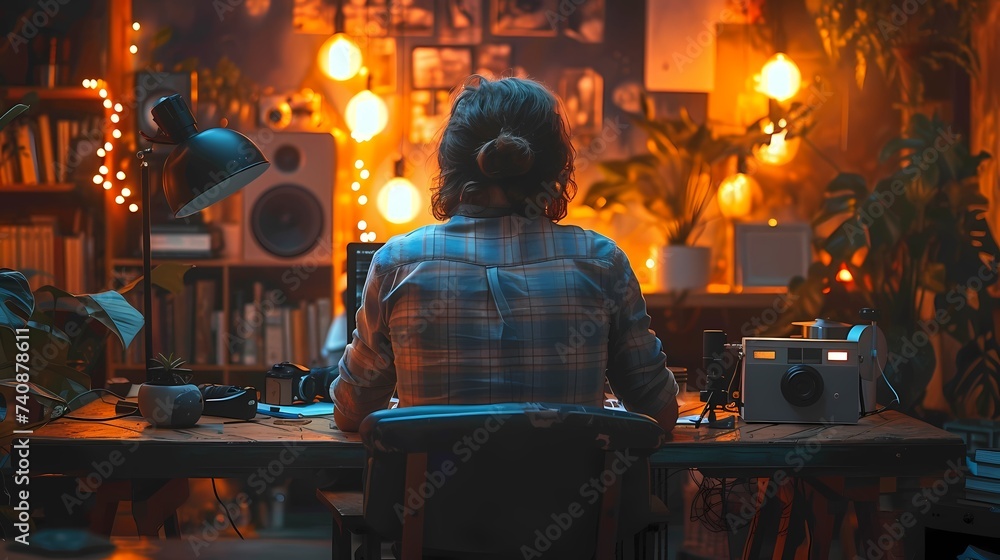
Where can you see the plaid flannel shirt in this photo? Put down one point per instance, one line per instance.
(501, 309)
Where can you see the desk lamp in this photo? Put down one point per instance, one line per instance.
(203, 168)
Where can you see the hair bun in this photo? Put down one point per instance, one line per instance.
(506, 155)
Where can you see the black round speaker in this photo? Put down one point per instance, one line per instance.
(802, 385)
(287, 220)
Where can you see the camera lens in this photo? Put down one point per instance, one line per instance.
(802, 385)
(307, 389)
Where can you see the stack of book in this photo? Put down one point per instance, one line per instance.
(982, 484)
(42, 151)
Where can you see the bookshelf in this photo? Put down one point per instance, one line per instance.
(232, 320)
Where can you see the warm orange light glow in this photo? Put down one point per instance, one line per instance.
(772, 222)
(844, 275)
(340, 57)
(366, 115)
(736, 194)
(780, 78)
(780, 151)
(398, 201)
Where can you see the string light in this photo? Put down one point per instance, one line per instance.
(362, 225)
(133, 49)
(359, 164)
(109, 146)
(101, 152)
(355, 186)
(120, 175)
(107, 185)
(365, 174)
(98, 179)
(103, 170)
(362, 200)
(107, 103)
(119, 199)
(115, 118)
(126, 192)
(118, 107)
(371, 236)
(133, 207)
(116, 133)
(135, 25)
(103, 93)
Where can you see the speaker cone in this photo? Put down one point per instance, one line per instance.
(287, 220)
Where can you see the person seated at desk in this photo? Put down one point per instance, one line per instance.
(500, 303)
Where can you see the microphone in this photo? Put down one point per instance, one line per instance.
(713, 347)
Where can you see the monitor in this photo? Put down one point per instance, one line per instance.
(359, 260)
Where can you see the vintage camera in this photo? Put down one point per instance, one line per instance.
(287, 383)
(826, 375)
(297, 111)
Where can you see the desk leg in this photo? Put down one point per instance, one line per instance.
(155, 503)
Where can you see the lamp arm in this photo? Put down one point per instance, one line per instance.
(147, 280)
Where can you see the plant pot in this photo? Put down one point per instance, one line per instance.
(170, 406)
(683, 268)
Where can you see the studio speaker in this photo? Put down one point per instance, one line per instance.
(287, 211)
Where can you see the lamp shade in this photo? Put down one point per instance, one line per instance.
(208, 167)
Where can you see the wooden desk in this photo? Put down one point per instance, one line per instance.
(222, 549)
(886, 445)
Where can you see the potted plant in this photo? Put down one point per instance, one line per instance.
(676, 184)
(918, 249)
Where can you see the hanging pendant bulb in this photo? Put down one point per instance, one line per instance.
(399, 200)
(736, 195)
(366, 115)
(780, 78)
(340, 57)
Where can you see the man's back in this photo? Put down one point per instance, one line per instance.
(504, 309)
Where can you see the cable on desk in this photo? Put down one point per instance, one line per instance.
(225, 509)
(82, 419)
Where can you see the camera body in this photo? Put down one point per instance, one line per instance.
(288, 383)
(796, 380)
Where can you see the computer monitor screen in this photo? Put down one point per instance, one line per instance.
(359, 260)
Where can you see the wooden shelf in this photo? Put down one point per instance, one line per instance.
(40, 188)
(66, 93)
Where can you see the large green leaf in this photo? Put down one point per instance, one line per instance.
(16, 300)
(12, 114)
(115, 313)
(169, 276)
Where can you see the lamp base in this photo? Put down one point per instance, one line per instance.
(170, 406)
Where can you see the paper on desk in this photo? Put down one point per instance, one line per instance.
(295, 410)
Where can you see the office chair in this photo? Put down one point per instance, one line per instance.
(500, 481)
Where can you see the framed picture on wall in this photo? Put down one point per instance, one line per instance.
(582, 93)
(586, 22)
(524, 18)
(461, 22)
(382, 64)
(409, 17)
(428, 113)
(494, 60)
(440, 67)
(363, 18)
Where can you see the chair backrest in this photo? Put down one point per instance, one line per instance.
(514, 480)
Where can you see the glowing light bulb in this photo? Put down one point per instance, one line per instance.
(359, 164)
(340, 57)
(115, 118)
(736, 195)
(781, 150)
(362, 200)
(772, 222)
(116, 133)
(126, 192)
(650, 263)
(103, 170)
(102, 92)
(365, 174)
(120, 175)
(135, 26)
(355, 186)
(107, 185)
(109, 146)
(118, 107)
(780, 78)
(844, 275)
(366, 115)
(362, 225)
(398, 201)
(133, 49)
(86, 83)
(98, 179)
(107, 103)
(119, 199)
(101, 153)
(371, 236)
(133, 207)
